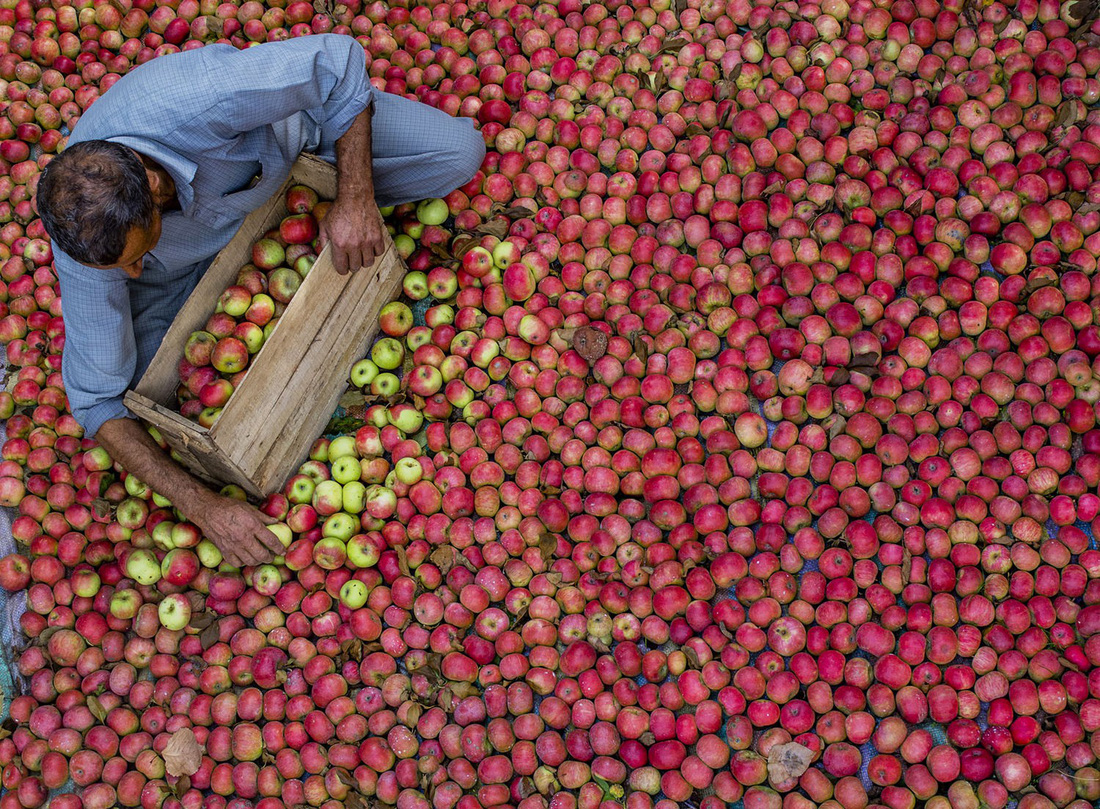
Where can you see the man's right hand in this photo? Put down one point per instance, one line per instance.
(238, 529)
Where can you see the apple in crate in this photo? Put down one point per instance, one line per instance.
(298, 229)
(267, 254)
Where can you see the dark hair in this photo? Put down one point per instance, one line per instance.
(91, 196)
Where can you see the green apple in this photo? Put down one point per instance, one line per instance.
(388, 353)
(353, 594)
(174, 612)
(432, 212)
(160, 501)
(283, 532)
(385, 385)
(234, 492)
(354, 495)
(134, 487)
(408, 471)
(267, 580)
(404, 244)
(385, 210)
(340, 525)
(415, 285)
(124, 604)
(346, 469)
(143, 567)
(162, 535)
(362, 551)
(209, 554)
(340, 446)
(363, 373)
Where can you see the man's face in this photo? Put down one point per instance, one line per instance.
(138, 242)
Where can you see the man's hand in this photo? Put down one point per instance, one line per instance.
(356, 233)
(238, 529)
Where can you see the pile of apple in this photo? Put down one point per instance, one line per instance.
(216, 357)
(747, 449)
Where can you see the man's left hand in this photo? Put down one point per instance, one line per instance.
(356, 233)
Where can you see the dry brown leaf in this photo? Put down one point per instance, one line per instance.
(209, 636)
(590, 343)
(787, 762)
(402, 560)
(547, 545)
(95, 707)
(906, 566)
(640, 347)
(183, 755)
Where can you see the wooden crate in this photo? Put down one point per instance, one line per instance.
(295, 382)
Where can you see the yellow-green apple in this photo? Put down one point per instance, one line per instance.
(234, 301)
(162, 535)
(208, 554)
(283, 283)
(362, 551)
(388, 353)
(353, 594)
(132, 513)
(124, 604)
(299, 489)
(267, 580)
(408, 470)
(405, 418)
(385, 384)
(432, 212)
(415, 285)
(85, 582)
(363, 373)
(340, 446)
(345, 469)
(354, 495)
(340, 526)
(135, 487)
(174, 612)
(251, 335)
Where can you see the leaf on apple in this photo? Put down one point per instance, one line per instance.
(95, 707)
(788, 761)
(547, 545)
(183, 755)
(201, 620)
(209, 636)
(402, 562)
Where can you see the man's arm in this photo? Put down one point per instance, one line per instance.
(235, 527)
(354, 225)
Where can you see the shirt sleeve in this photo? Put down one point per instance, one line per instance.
(100, 358)
(324, 75)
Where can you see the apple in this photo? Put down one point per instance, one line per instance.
(85, 582)
(432, 212)
(174, 612)
(381, 502)
(340, 446)
(298, 229)
(404, 244)
(142, 566)
(185, 535)
(353, 594)
(301, 199)
(251, 335)
(405, 418)
(283, 283)
(385, 385)
(229, 356)
(299, 489)
(209, 554)
(15, 572)
(135, 487)
(234, 301)
(217, 393)
(395, 319)
(303, 264)
(267, 580)
(346, 469)
(353, 496)
(199, 346)
(328, 497)
(132, 513)
(388, 353)
(415, 285)
(363, 373)
(124, 604)
(330, 553)
(267, 254)
(179, 566)
(209, 415)
(261, 310)
(339, 526)
(283, 532)
(504, 254)
(362, 551)
(442, 283)
(408, 470)
(477, 262)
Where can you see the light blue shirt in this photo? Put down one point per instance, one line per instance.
(214, 118)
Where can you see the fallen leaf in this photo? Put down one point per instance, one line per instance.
(183, 755)
(640, 347)
(788, 761)
(906, 566)
(402, 560)
(95, 707)
(209, 636)
(590, 343)
(547, 545)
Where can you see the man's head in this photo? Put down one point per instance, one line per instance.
(97, 204)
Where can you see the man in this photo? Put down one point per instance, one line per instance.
(158, 176)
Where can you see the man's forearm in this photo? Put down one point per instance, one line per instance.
(355, 177)
(128, 442)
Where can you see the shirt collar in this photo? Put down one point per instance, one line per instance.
(179, 167)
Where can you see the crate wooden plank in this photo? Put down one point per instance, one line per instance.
(191, 442)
